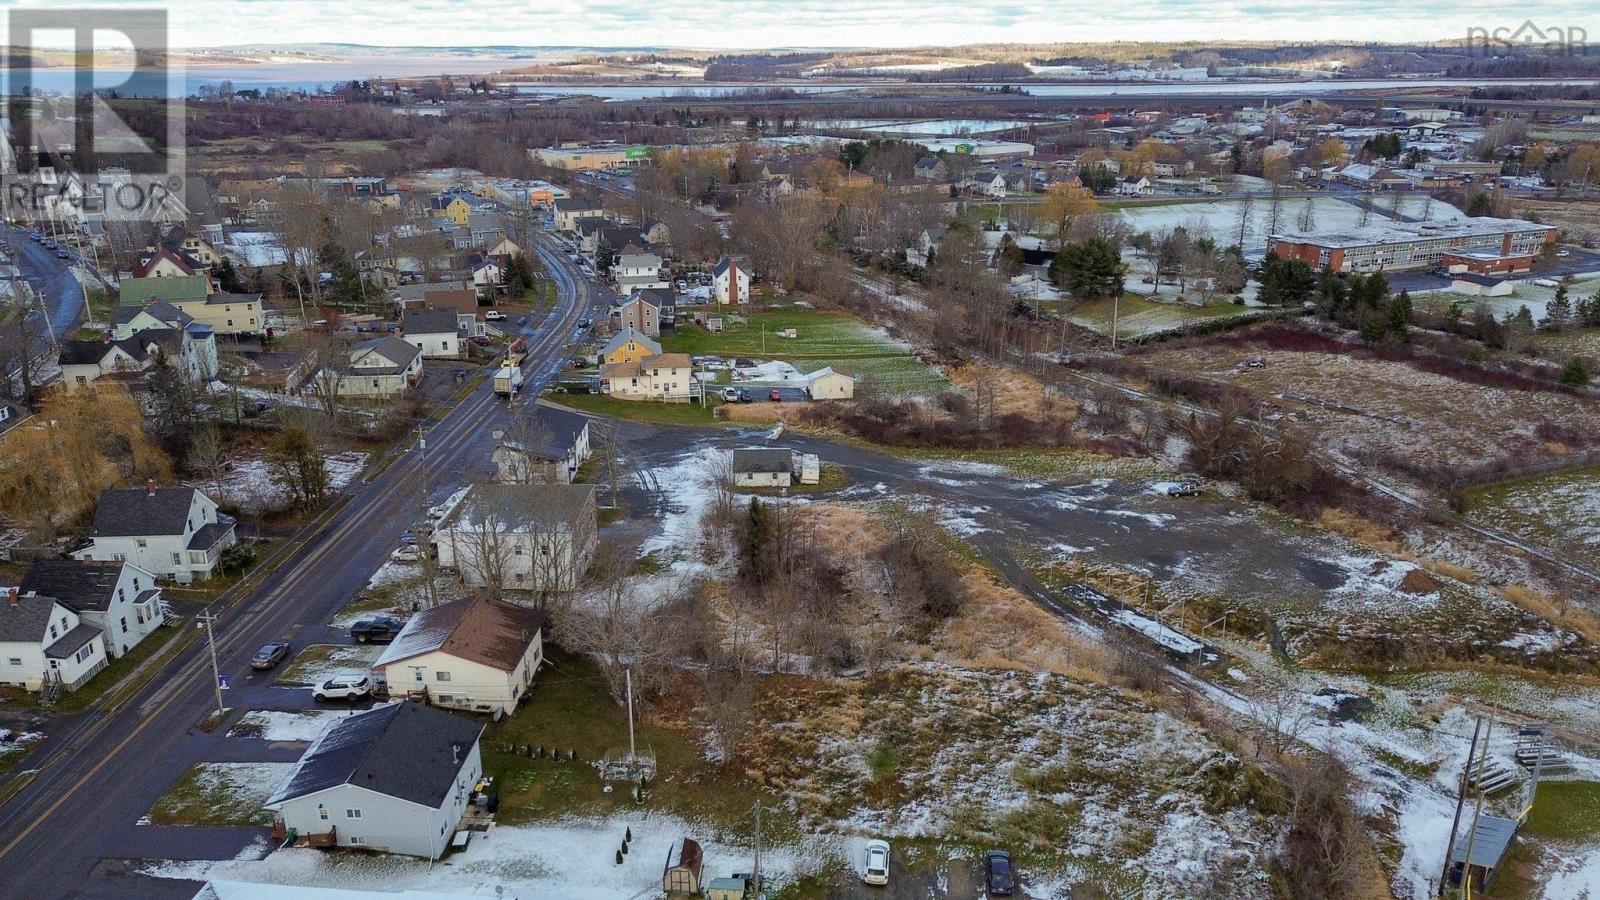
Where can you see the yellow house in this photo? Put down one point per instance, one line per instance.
(628, 346)
(474, 654)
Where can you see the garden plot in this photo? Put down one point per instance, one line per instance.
(1138, 316)
(1366, 409)
(221, 794)
(572, 859)
(1220, 218)
(1560, 511)
(287, 725)
(1084, 780)
(320, 661)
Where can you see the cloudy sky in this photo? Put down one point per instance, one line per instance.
(749, 24)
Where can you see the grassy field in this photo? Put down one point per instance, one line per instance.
(1561, 510)
(319, 660)
(639, 410)
(1136, 315)
(822, 339)
(1566, 811)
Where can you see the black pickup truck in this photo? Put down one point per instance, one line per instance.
(376, 630)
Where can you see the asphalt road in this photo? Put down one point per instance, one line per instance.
(72, 832)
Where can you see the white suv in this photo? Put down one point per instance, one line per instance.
(351, 686)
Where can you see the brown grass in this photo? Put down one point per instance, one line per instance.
(1002, 629)
(1363, 531)
(1015, 393)
(1448, 570)
(1558, 610)
(763, 413)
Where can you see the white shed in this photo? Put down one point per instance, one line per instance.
(827, 384)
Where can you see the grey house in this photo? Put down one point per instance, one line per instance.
(763, 467)
(395, 778)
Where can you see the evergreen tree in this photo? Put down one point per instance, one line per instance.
(1400, 313)
(1558, 314)
(1089, 270)
(1575, 373)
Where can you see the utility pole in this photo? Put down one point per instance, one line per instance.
(1461, 799)
(758, 851)
(424, 544)
(206, 618)
(627, 675)
(1477, 811)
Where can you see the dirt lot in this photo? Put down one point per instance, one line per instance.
(1365, 408)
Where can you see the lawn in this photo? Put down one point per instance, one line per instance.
(639, 410)
(821, 339)
(571, 710)
(221, 794)
(1566, 811)
(1136, 316)
(320, 661)
(109, 680)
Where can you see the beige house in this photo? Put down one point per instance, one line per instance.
(827, 384)
(531, 537)
(473, 654)
(227, 313)
(663, 376)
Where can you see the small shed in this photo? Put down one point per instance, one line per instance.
(714, 324)
(681, 875)
(810, 468)
(1493, 837)
(734, 888)
(1480, 285)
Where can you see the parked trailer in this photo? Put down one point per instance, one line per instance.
(508, 380)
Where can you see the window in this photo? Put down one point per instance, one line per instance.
(357, 840)
(177, 559)
(441, 676)
(322, 813)
(53, 633)
(141, 543)
(446, 698)
(15, 661)
(352, 814)
(124, 624)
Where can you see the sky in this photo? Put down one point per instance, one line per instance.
(762, 24)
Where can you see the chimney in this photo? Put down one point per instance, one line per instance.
(150, 488)
(11, 596)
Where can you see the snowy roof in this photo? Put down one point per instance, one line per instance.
(1368, 235)
(480, 630)
(516, 507)
(404, 750)
(244, 890)
(142, 512)
(81, 583)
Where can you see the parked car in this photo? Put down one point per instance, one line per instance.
(493, 315)
(998, 877)
(376, 630)
(585, 323)
(62, 254)
(681, 285)
(775, 395)
(877, 870)
(1189, 487)
(745, 396)
(348, 686)
(406, 553)
(270, 655)
(729, 395)
(408, 538)
(481, 340)
(1563, 253)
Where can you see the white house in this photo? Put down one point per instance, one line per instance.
(172, 532)
(546, 445)
(985, 181)
(1135, 186)
(487, 275)
(43, 639)
(730, 282)
(521, 536)
(474, 654)
(638, 271)
(396, 778)
(569, 212)
(381, 368)
(119, 598)
(436, 332)
(763, 467)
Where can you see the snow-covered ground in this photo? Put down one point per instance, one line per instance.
(572, 860)
(309, 670)
(287, 725)
(249, 483)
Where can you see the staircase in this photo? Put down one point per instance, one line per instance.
(1536, 749)
(1494, 777)
(51, 689)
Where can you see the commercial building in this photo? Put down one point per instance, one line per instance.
(1420, 245)
(604, 156)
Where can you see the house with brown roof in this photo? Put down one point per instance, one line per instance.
(662, 376)
(475, 654)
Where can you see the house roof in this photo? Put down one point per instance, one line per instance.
(429, 321)
(519, 507)
(140, 512)
(175, 257)
(83, 353)
(80, 583)
(405, 750)
(399, 353)
(667, 361)
(550, 434)
(629, 334)
(179, 289)
(73, 641)
(160, 310)
(754, 460)
(723, 264)
(494, 633)
(27, 619)
(420, 291)
(576, 204)
(222, 297)
(207, 535)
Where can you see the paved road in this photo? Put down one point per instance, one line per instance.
(71, 831)
(51, 276)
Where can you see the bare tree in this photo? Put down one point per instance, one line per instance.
(208, 458)
(327, 382)
(623, 628)
(516, 456)
(484, 547)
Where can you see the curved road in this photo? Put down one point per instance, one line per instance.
(71, 830)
